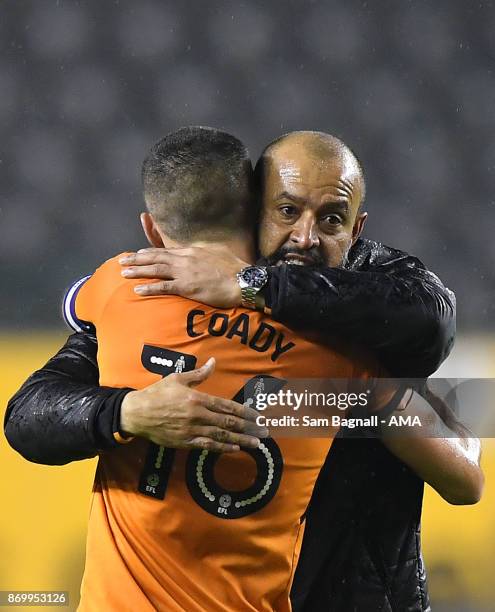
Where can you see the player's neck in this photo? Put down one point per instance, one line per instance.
(242, 248)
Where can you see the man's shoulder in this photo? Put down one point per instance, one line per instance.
(85, 297)
(111, 265)
(106, 277)
(367, 254)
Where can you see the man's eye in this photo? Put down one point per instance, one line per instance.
(287, 210)
(333, 219)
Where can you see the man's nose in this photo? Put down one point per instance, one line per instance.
(304, 233)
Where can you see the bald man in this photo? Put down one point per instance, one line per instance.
(311, 202)
(381, 298)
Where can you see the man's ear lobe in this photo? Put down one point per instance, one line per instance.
(358, 226)
(151, 230)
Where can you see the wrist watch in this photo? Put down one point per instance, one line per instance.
(252, 280)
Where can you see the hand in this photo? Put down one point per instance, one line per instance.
(171, 413)
(207, 275)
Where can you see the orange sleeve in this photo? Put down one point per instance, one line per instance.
(95, 292)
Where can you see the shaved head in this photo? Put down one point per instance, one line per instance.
(321, 147)
(312, 187)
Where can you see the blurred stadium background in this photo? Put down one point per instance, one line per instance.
(87, 86)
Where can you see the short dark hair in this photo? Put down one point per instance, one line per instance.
(198, 183)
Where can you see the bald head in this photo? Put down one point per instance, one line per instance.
(312, 188)
(321, 148)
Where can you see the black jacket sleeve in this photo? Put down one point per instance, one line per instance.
(60, 414)
(384, 299)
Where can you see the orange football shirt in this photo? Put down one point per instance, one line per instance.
(193, 531)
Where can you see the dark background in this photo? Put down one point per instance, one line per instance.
(86, 87)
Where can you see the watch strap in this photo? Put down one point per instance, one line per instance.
(248, 297)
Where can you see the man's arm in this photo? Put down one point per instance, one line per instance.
(441, 451)
(53, 418)
(62, 398)
(60, 414)
(384, 299)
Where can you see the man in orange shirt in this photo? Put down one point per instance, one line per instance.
(195, 531)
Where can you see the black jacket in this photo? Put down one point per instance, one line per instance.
(361, 550)
(361, 546)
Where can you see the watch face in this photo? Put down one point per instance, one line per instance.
(254, 277)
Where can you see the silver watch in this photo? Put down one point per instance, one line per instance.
(252, 280)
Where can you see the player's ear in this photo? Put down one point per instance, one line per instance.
(358, 226)
(151, 230)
